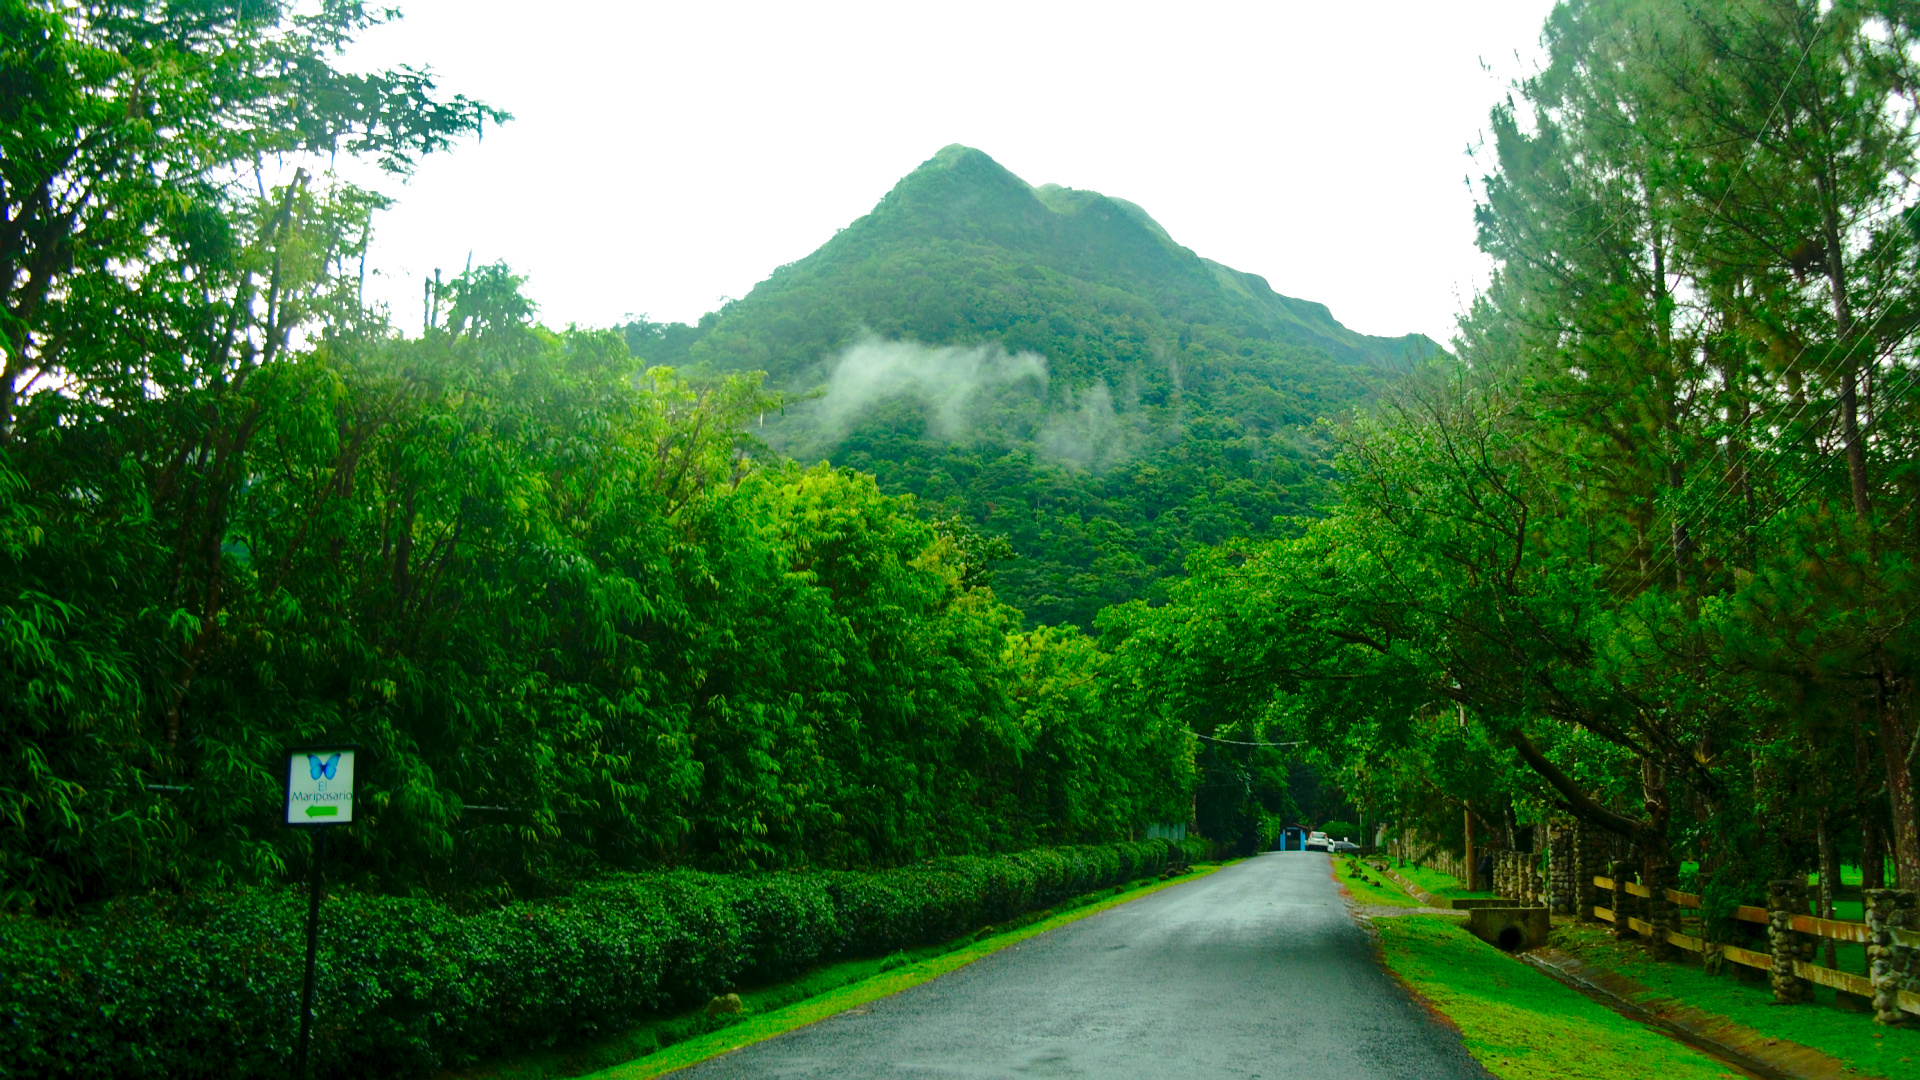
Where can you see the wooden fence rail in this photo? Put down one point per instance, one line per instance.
(1837, 929)
(1833, 929)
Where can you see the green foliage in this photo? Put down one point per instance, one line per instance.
(1241, 797)
(149, 288)
(577, 617)
(1173, 409)
(521, 580)
(206, 986)
(1643, 555)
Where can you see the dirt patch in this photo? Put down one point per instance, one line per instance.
(1378, 911)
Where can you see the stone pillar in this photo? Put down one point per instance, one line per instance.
(1893, 968)
(1785, 899)
(1624, 903)
(1659, 877)
(1560, 875)
(1586, 866)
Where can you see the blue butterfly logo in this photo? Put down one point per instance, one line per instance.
(323, 768)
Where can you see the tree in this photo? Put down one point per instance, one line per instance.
(1648, 534)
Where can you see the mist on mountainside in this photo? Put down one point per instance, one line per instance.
(1086, 433)
(1051, 366)
(947, 379)
(963, 392)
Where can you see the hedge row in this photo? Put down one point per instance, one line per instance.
(209, 987)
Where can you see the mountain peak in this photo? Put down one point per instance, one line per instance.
(977, 167)
(1051, 363)
(962, 195)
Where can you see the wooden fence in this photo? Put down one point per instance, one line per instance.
(1836, 929)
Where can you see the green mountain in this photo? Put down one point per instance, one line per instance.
(1050, 366)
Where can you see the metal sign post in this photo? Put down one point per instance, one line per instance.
(319, 793)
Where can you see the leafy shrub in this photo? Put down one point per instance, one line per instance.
(209, 986)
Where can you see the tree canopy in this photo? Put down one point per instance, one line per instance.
(576, 617)
(1642, 555)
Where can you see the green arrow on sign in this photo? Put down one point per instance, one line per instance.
(322, 811)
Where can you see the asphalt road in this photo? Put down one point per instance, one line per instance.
(1254, 971)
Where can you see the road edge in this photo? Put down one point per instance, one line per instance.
(760, 1028)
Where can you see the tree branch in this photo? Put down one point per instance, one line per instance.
(1578, 801)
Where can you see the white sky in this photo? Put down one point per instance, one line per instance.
(663, 156)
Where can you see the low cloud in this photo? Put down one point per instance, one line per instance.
(1082, 430)
(946, 378)
(1086, 433)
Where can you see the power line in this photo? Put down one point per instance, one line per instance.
(1237, 742)
(1614, 216)
(1686, 522)
(1752, 450)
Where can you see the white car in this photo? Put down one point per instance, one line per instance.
(1318, 842)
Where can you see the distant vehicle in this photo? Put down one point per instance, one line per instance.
(1318, 841)
(1343, 846)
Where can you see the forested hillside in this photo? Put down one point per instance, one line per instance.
(1050, 366)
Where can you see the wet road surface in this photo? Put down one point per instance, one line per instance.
(1254, 971)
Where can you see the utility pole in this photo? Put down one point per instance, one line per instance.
(1473, 868)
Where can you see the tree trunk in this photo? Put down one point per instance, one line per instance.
(1895, 739)
(1473, 883)
(1655, 850)
(1855, 446)
(1843, 330)
(1873, 852)
(1873, 856)
(1829, 875)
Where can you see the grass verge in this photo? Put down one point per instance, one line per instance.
(1371, 888)
(1519, 1023)
(1849, 1035)
(1434, 881)
(661, 1046)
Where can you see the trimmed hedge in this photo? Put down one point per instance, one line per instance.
(209, 987)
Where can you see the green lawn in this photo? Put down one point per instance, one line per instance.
(1518, 1022)
(1851, 1036)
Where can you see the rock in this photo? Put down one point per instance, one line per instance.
(726, 1005)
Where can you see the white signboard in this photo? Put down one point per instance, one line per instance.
(320, 786)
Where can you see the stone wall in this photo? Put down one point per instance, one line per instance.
(1408, 848)
(1516, 876)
